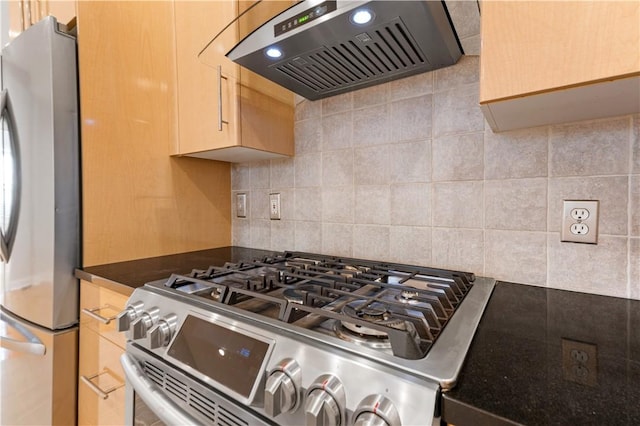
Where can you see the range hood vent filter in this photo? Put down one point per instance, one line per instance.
(377, 54)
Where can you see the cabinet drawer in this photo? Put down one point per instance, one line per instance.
(100, 376)
(98, 308)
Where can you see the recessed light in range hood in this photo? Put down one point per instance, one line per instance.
(320, 48)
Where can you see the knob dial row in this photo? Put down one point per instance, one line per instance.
(138, 323)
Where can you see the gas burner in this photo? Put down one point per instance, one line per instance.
(300, 294)
(361, 336)
(408, 297)
(373, 312)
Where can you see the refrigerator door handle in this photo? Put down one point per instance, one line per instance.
(32, 345)
(7, 236)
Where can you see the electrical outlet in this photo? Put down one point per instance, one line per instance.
(580, 362)
(274, 206)
(580, 221)
(241, 205)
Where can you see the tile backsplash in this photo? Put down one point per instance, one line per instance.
(409, 171)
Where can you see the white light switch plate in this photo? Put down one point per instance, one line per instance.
(241, 205)
(580, 221)
(274, 206)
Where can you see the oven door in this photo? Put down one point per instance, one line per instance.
(158, 393)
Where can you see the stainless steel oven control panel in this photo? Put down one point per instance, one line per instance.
(276, 373)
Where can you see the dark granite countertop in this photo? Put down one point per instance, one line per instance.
(550, 357)
(135, 273)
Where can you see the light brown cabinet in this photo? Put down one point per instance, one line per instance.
(225, 112)
(24, 13)
(101, 392)
(553, 62)
(138, 200)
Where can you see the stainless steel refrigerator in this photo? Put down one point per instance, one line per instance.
(39, 227)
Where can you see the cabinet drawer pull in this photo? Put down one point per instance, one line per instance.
(220, 120)
(104, 394)
(92, 313)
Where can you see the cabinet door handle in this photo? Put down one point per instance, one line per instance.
(93, 314)
(220, 120)
(104, 394)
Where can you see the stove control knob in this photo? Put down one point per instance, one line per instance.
(141, 325)
(376, 410)
(282, 391)
(160, 334)
(325, 402)
(126, 317)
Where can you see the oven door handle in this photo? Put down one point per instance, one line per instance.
(163, 407)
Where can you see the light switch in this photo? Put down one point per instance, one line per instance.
(241, 205)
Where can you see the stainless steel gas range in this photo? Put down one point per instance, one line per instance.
(299, 338)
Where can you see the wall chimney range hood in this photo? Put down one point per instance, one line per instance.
(321, 48)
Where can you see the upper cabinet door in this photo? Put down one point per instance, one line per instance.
(206, 94)
(551, 62)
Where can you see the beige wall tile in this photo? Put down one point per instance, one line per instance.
(282, 234)
(516, 256)
(241, 176)
(634, 258)
(260, 233)
(337, 204)
(308, 136)
(410, 162)
(308, 170)
(458, 204)
(460, 249)
(337, 239)
(634, 205)
(466, 71)
(337, 103)
(516, 204)
(260, 174)
(612, 191)
(337, 168)
(337, 131)
(308, 236)
(371, 242)
(371, 126)
(411, 204)
(241, 232)
(410, 244)
(308, 204)
(516, 154)
(370, 96)
(372, 165)
(590, 148)
(372, 205)
(411, 119)
(308, 109)
(258, 204)
(458, 157)
(409, 87)
(282, 173)
(636, 144)
(599, 269)
(457, 111)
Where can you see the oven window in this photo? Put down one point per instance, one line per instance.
(230, 358)
(143, 416)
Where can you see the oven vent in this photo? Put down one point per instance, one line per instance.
(216, 413)
(377, 54)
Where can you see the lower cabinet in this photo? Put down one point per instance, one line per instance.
(101, 392)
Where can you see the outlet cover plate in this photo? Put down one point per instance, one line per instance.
(274, 206)
(578, 226)
(241, 205)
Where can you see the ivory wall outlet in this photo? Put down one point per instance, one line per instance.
(580, 221)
